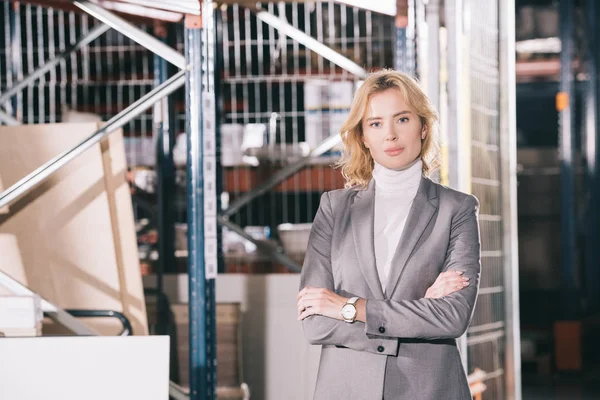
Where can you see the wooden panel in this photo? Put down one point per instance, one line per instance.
(64, 229)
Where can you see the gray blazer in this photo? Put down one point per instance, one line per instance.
(407, 348)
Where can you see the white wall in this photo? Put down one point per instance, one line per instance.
(277, 362)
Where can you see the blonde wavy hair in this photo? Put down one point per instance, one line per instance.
(356, 162)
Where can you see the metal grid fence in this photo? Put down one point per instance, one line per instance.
(263, 78)
(94, 83)
(273, 84)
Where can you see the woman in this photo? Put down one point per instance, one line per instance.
(369, 293)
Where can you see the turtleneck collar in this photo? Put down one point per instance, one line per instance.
(406, 179)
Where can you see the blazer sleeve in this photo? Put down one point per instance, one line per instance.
(446, 317)
(316, 272)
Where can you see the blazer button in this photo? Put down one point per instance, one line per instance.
(380, 349)
(381, 329)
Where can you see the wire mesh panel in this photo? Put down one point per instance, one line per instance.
(101, 79)
(92, 84)
(486, 340)
(280, 100)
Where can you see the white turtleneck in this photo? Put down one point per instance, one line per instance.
(394, 194)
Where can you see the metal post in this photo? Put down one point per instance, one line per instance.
(564, 104)
(164, 165)
(13, 57)
(30, 181)
(458, 161)
(217, 84)
(421, 44)
(166, 178)
(591, 160)
(201, 205)
(405, 54)
(508, 165)
(16, 49)
(453, 16)
(432, 15)
(596, 157)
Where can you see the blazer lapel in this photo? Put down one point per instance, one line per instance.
(422, 210)
(362, 217)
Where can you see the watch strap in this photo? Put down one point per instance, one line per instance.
(352, 300)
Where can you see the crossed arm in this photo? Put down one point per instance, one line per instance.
(386, 320)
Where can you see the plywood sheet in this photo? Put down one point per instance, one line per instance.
(75, 233)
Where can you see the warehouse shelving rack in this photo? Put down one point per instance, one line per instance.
(196, 71)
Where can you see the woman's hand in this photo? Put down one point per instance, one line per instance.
(319, 301)
(446, 283)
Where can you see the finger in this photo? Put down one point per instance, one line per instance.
(302, 309)
(460, 281)
(306, 313)
(305, 290)
(311, 303)
(457, 280)
(303, 305)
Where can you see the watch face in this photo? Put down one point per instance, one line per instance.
(348, 311)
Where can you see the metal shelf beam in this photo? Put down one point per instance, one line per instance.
(285, 28)
(133, 32)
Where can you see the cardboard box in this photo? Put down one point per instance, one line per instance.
(228, 342)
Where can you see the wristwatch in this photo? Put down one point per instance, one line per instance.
(349, 311)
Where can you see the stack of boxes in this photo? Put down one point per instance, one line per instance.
(229, 359)
(20, 316)
(326, 105)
